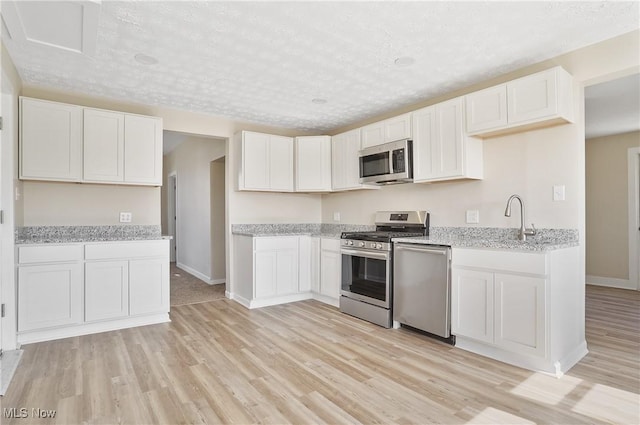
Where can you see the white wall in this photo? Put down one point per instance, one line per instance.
(190, 161)
(218, 237)
(528, 164)
(11, 86)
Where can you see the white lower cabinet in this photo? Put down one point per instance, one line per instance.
(502, 309)
(75, 289)
(49, 295)
(331, 269)
(270, 270)
(472, 304)
(519, 307)
(148, 286)
(520, 313)
(106, 290)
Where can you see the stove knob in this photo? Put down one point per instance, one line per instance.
(379, 246)
(361, 244)
(350, 243)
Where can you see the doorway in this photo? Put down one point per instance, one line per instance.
(612, 145)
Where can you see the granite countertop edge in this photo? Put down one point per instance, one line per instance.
(511, 245)
(49, 241)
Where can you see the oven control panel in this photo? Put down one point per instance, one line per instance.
(370, 245)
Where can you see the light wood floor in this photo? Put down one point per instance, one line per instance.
(305, 362)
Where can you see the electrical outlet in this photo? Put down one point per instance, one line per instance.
(473, 216)
(558, 193)
(336, 216)
(125, 217)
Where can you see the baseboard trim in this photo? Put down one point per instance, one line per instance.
(199, 275)
(91, 328)
(611, 282)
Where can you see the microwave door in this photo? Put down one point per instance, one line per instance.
(374, 165)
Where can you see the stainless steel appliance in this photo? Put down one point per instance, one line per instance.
(367, 264)
(422, 288)
(387, 163)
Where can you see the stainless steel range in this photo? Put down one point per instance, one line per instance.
(367, 264)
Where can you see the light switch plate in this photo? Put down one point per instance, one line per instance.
(336, 216)
(473, 216)
(558, 193)
(125, 217)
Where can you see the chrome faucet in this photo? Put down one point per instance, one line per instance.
(523, 233)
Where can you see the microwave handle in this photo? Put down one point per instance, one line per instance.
(391, 170)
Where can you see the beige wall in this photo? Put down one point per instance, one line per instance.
(60, 204)
(218, 237)
(607, 205)
(190, 161)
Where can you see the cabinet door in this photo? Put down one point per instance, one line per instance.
(142, 150)
(103, 146)
(426, 149)
(330, 275)
(449, 159)
(106, 290)
(472, 304)
(345, 166)
(305, 262)
(315, 264)
(281, 163)
(520, 313)
(148, 286)
(255, 161)
(50, 140)
(313, 163)
(287, 271)
(49, 296)
(372, 134)
(532, 98)
(486, 109)
(397, 128)
(265, 274)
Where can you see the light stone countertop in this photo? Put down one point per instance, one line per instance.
(32, 235)
(497, 238)
(459, 237)
(284, 229)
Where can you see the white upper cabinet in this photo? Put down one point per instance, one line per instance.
(50, 140)
(441, 149)
(103, 146)
(142, 150)
(266, 162)
(389, 130)
(487, 109)
(72, 143)
(313, 164)
(345, 165)
(541, 99)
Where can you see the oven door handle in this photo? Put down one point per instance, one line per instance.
(374, 255)
(412, 249)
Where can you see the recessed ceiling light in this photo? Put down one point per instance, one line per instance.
(145, 59)
(319, 101)
(404, 61)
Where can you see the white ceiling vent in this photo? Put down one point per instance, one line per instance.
(68, 25)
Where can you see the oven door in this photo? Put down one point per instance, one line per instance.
(366, 276)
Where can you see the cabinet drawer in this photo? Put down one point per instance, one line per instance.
(279, 242)
(49, 254)
(518, 262)
(127, 250)
(330, 244)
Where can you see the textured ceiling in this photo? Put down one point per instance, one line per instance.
(612, 107)
(264, 62)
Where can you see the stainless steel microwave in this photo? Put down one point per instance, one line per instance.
(387, 163)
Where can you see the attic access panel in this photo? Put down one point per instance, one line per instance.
(68, 25)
